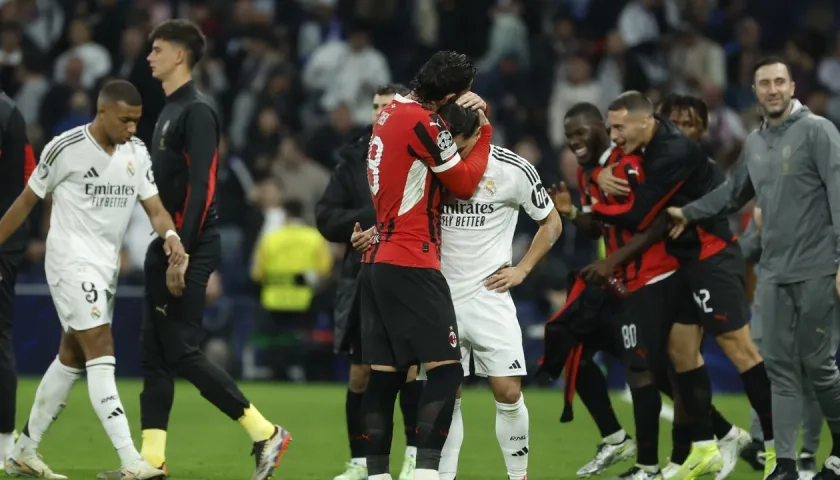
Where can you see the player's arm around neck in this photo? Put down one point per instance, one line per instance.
(463, 178)
(550, 229)
(17, 213)
(640, 242)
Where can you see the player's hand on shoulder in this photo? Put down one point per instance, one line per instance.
(174, 250)
(175, 278)
(609, 183)
(505, 278)
(561, 197)
(678, 221)
(473, 101)
(598, 272)
(361, 239)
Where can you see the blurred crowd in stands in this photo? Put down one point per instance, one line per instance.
(294, 79)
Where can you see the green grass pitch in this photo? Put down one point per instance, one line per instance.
(204, 445)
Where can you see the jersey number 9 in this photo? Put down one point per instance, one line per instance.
(89, 288)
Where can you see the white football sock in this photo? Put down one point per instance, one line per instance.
(381, 476)
(410, 451)
(50, 399)
(452, 448)
(106, 402)
(512, 433)
(7, 443)
(426, 474)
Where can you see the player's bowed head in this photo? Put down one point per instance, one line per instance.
(118, 110)
(464, 125)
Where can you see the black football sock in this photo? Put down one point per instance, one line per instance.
(355, 431)
(409, 402)
(757, 387)
(592, 389)
(721, 425)
(437, 402)
(681, 443)
(378, 418)
(696, 394)
(647, 404)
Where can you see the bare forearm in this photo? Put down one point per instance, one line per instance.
(640, 242)
(162, 223)
(548, 233)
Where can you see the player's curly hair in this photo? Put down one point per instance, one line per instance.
(446, 72)
(675, 103)
(459, 120)
(185, 33)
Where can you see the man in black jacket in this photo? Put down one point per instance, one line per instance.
(345, 202)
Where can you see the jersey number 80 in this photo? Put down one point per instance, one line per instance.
(373, 160)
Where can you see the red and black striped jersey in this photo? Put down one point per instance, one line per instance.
(17, 162)
(678, 172)
(412, 158)
(655, 262)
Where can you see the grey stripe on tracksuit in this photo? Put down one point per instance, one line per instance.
(793, 169)
(812, 419)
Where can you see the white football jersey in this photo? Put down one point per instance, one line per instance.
(93, 196)
(477, 237)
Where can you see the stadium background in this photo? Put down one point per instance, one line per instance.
(293, 81)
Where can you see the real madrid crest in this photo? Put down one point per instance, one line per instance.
(130, 168)
(95, 313)
(490, 187)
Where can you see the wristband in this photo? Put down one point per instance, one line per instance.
(572, 213)
(171, 233)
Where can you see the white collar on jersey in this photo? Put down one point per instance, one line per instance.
(401, 99)
(606, 155)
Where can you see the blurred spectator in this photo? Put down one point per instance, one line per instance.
(11, 55)
(643, 21)
(322, 26)
(696, 62)
(508, 37)
(33, 88)
(303, 179)
(802, 66)
(620, 69)
(96, 61)
(829, 69)
(347, 72)
(324, 142)
(579, 86)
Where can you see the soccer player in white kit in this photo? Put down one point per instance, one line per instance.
(95, 174)
(476, 253)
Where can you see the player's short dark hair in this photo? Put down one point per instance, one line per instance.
(293, 208)
(771, 60)
(121, 91)
(459, 120)
(632, 101)
(675, 103)
(586, 110)
(185, 33)
(392, 89)
(446, 72)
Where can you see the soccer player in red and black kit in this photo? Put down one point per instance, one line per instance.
(184, 152)
(587, 137)
(408, 316)
(17, 162)
(711, 265)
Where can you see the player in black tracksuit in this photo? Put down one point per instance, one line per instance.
(184, 152)
(16, 164)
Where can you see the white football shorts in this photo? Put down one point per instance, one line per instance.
(490, 333)
(83, 302)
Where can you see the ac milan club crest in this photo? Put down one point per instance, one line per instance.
(453, 338)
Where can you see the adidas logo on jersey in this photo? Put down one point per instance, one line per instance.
(91, 173)
(515, 365)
